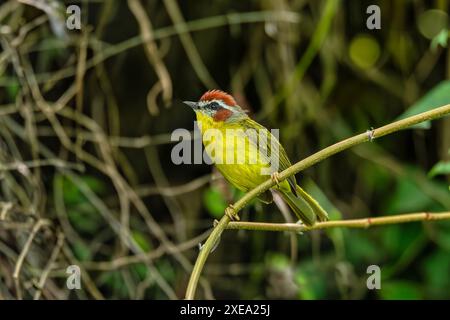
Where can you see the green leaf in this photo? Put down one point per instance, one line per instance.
(81, 251)
(442, 167)
(408, 197)
(400, 290)
(307, 291)
(436, 97)
(441, 39)
(360, 249)
(73, 195)
(431, 22)
(436, 273)
(312, 284)
(364, 51)
(335, 234)
(214, 202)
(277, 261)
(115, 282)
(166, 269)
(141, 240)
(85, 218)
(396, 239)
(13, 89)
(140, 270)
(312, 188)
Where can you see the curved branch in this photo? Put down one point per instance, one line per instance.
(299, 166)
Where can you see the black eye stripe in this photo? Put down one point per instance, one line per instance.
(213, 105)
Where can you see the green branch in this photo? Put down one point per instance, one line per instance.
(352, 223)
(299, 166)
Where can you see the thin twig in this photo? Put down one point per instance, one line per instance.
(152, 52)
(321, 31)
(188, 43)
(169, 31)
(144, 257)
(48, 268)
(39, 224)
(351, 223)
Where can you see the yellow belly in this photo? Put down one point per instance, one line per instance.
(233, 154)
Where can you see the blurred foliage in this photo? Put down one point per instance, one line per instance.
(85, 123)
(442, 167)
(214, 202)
(437, 96)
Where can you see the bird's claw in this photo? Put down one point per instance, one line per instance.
(275, 177)
(300, 223)
(231, 213)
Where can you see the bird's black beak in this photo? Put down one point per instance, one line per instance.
(192, 104)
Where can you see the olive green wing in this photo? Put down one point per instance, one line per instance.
(284, 164)
(266, 149)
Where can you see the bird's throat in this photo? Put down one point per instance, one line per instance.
(206, 122)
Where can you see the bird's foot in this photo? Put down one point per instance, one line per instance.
(275, 177)
(301, 224)
(231, 213)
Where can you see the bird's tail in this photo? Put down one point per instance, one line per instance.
(321, 214)
(305, 207)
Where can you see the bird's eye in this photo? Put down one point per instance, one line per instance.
(213, 105)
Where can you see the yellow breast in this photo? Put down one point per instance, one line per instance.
(230, 149)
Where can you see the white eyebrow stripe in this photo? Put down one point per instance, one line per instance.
(219, 102)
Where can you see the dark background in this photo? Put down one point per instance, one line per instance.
(85, 146)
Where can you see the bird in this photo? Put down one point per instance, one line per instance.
(217, 111)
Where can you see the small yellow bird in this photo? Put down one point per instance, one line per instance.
(218, 112)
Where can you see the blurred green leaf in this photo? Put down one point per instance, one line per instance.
(442, 235)
(73, 195)
(364, 51)
(141, 240)
(306, 292)
(335, 234)
(85, 218)
(442, 167)
(166, 269)
(140, 270)
(374, 176)
(360, 249)
(436, 97)
(437, 273)
(13, 89)
(441, 39)
(81, 213)
(400, 290)
(312, 284)
(407, 197)
(114, 281)
(81, 251)
(401, 47)
(397, 238)
(277, 261)
(312, 188)
(431, 22)
(214, 202)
